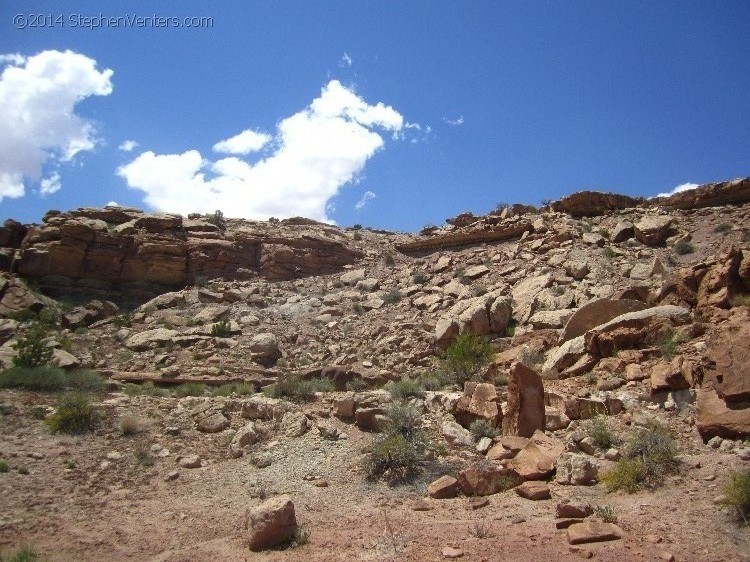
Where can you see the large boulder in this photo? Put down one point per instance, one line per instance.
(652, 230)
(729, 350)
(595, 314)
(443, 488)
(593, 203)
(485, 480)
(715, 417)
(575, 469)
(481, 315)
(525, 411)
(264, 349)
(675, 375)
(537, 459)
(270, 524)
(480, 401)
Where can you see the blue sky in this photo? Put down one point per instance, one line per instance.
(433, 108)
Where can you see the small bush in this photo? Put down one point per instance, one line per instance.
(221, 329)
(420, 277)
(668, 347)
(483, 428)
(74, 414)
(404, 389)
(649, 455)
(393, 458)
(598, 429)
(403, 420)
(722, 228)
(434, 381)
(217, 219)
(40, 378)
(606, 513)
(25, 554)
(148, 388)
(31, 348)
(123, 320)
(294, 388)
(358, 309)
(357, 236)
(532, 358)
(3, 467)
(239, 388)
(737, 492)
(356, 385)
(608, 253)
(190, 389)
(684, 247)
(392, 296)
(38, 412)
(510, 331)
(129, 425)
(85, 380)
(300, 537)
(144, 456)
(466, 356)
(388, 259)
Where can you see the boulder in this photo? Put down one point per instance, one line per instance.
(573, 510)
(264, 349)
(246, 436)
(623, 230)
(149, 339)
(537, 459)
(714, 417)
(484, 480)
(576, 470)
(481, 315)
(675, 375)
(261, 407)
(16, 297)
(593, 203)
(480, 401)
(729, 351)
(533, 490)
(270, 524)
(457, 435)
(443, 488)
(595, 314)
(525, 410)
(593, 531)
(652, 230)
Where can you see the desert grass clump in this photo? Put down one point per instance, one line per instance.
(393, 296)
(3, 467)
(683, 247)
(668, 347)
(598, 429)
(434, 380)
(722, 228)
(190, 389)
(419, 277)
(239, 388)
(356, 385)
(41, 378)
(129, 425)
(300, 537)
(297, 389)
(397, 455)
(606, 513)
(221, 329)
(85, 380)
(74, 414)
(649, 455)
(404, 389)
(739, 300)
(483, 428)
(737, 493)
(24, 554)
(466, 356)
(148, 388)
(144, 457)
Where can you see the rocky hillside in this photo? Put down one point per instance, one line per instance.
(597, 304)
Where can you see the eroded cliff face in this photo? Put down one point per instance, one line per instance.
(127, 250)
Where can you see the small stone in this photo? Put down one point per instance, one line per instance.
(612, 455)
(578, 510)
(191, 461)
(114, 456)
(533, 490)
(478, 503)
(444, 487)
(422, 505)
(483, 445)
(450, 552)
(320, 483)
(173, 475)
(715, 442)
(582, 552)
(668, 556)
(593, 531)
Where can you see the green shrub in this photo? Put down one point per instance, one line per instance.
(598, 429)
(737, 492)
(356, 385)
(41, 378)
(649, 455)
(294, 388)
(25, 554)
(722, 228)
(85, 380)
(74, 414)
(190, 389)
(392, 296)
(3, 467)
(684, 247)
(123, 320)
(31, 348)
(433, 381)
(420, 277)
(239, 388)
(217, 219)
(403, 420)
(668, 347)
(129, 425)
(144, 456)
(300, 537)
(148, 388)
(606, 513)
(393, 458)
(221, 329)
(483, 428)
(466, 356)
(608, 252)
(388, 259)
(404, 389)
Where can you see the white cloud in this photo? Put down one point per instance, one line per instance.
(345, 61)
(679, 188)
(38, 124)
(50, 185)
(318, 151)
(128, 145)
(367, 196)
(246, 142)
(113, 204)
(454, 122)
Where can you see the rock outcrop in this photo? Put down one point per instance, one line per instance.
(593, 203)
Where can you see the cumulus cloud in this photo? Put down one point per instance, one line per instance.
(367, 196)
(50, 185)
(38, 124)
(128, 145)
(113, 204)
(316, 152)
(679, 188)
(246, 142)
(454, 122)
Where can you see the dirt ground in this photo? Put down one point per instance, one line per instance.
(105, 496)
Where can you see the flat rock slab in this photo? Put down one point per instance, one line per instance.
(450, 552)
(533, 490)
(593, 531)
